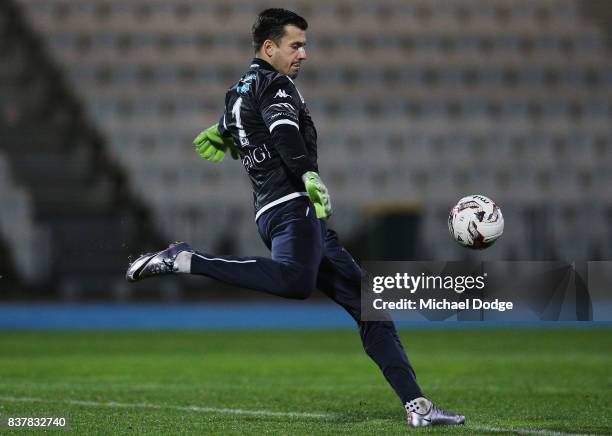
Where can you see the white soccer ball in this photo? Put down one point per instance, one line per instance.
(476, 222)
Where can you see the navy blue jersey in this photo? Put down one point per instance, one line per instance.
(276, 139)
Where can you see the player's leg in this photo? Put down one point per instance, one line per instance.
(293, 236)
(292, 233)
(340, 279)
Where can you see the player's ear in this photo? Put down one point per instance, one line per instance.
(268, 47)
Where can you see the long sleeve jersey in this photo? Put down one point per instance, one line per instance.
(274, 134)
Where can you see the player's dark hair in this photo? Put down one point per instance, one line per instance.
(270, 24)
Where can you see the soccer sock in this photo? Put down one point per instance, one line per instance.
(183, 262)
(419, 405)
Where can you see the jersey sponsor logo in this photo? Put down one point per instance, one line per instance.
(281, 94)
(255, 156)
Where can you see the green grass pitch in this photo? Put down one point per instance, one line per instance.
(516, 381)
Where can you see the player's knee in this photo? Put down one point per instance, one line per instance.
(300, 285)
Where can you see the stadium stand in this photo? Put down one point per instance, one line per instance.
(66, 214)
(18, 228)
(15, 226)
(507, 98)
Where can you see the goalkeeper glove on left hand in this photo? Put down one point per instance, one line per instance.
(317, 192)
(211, 146)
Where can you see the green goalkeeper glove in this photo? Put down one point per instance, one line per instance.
(211, 146)
(317, 192)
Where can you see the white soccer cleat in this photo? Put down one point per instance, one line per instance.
(423, 413)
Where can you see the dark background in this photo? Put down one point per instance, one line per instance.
(417, 103)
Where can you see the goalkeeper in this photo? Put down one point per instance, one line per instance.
(267, 125)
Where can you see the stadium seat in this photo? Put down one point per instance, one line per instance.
(517, 86)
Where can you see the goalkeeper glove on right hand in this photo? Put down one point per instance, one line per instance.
(211, 146)
(317, 192)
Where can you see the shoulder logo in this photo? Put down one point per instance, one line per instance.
(244, 88)
(281, 94)
(245, 83)
(282, 106)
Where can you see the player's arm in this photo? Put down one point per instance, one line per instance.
(213, 143)
(279, 111)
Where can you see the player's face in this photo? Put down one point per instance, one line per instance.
(287, 56)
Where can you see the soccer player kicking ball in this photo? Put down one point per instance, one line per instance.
(267, 124)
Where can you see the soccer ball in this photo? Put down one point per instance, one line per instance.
(476, 222)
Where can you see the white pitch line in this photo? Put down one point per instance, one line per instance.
(522, 431)
(261, 413)
(116, 404)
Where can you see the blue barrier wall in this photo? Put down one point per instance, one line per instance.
(156, 316)
(212, 317)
